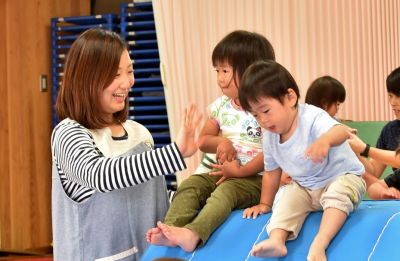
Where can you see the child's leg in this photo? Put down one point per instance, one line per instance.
(177, 236)
(340, 198)
(332, 220)
(189, 198)
(275, 245)
(286, 221)
(231, 194)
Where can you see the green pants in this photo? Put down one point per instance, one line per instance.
(202, 206)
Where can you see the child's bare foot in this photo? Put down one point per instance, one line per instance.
(180, 236)
(316, 252)
(156, 237)
(269, 248)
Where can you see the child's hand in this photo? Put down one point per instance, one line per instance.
(285, 179)
(225, 151)
(227, 170)
(317, 151)
(256, 210)
(353, 131)
(357, 145)
(390, 193)
(186, 141)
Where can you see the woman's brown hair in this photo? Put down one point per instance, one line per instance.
(91, 65)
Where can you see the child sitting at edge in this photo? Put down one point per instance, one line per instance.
(203, 202)
(309, 145)
(386, 151)
(326, 93)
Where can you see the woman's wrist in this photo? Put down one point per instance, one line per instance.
(365, 152)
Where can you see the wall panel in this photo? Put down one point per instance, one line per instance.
(25, 159)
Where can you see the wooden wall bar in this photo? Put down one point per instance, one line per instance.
(25, 119)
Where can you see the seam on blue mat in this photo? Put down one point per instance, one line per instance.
(258, 238)
(380, 235)
(194, 252)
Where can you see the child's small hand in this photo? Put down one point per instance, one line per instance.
(228, 169)
(256, 210)
(285, 179)
(357, 145)
(317, 151)
(353, 131)
(390, 193)
(225, 151)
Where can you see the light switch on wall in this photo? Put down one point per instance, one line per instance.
(43, 83)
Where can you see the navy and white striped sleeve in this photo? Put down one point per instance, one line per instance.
(76, 154)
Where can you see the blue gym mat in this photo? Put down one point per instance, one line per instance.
(372, 233)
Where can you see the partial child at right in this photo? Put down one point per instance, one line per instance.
(386, 151)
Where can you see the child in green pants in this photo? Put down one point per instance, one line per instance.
(204, 201)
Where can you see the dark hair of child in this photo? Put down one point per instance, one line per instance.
(325, 91)
(393, 82)
(240, 49)
(265, 79)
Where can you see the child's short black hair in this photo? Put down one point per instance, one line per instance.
(242, 48)
(325, 91)
(265, 79)
(393, 82)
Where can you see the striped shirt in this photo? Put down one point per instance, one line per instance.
(84, 168)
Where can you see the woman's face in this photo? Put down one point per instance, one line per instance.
(115, 95)
(394, 102)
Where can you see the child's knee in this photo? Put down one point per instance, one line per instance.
(344, 193)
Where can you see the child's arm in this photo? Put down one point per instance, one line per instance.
(211, 142)
(380, 190)
(318, 150)
(270, 185)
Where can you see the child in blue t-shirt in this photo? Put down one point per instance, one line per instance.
(308, 144)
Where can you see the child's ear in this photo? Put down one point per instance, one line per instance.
(292, 97)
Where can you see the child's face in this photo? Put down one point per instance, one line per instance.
(114, 96)
(225, 80)
(332, 109)
(274, 116)
(394, 101)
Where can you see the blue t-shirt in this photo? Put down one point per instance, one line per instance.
(312, 122)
